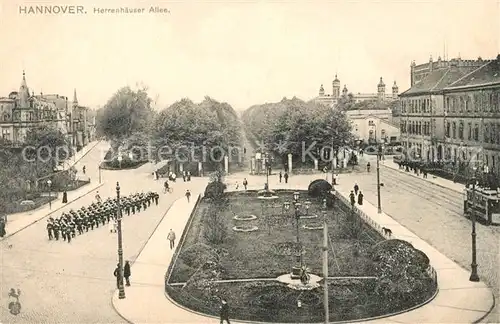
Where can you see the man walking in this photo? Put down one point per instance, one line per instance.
(286, 177)
(224, 312)
(281, 176)
(352, 197)
(171, 238)
(188, 195)
(356, 189)
(245, 183)
(126, 273)
(360, 198)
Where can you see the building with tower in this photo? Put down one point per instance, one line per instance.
(22, 110)
(333, 99)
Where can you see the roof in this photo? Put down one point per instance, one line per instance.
(483, 76)
(438, 80)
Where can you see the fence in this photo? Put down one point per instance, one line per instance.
(430, 270)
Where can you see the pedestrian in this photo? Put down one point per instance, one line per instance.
(126, 273)
(84, 169)
(171, 238)
(65, 197)
(356, 189)
(224, 311)
(117, 274)
(352, 197)
(245, 183)
(189, 176)
(281, 176)
(360, 198)
(49, 229)
(286, 177)
(368, 167)
(237, 185)
(188, 195)
(424, 171)
(184, 176)
(2, 227)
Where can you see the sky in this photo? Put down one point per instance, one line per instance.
(240, 52)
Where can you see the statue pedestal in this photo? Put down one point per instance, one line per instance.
(296, 284)
(295, 273)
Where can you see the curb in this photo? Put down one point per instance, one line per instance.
(116, 310)
(411, 175)
(52, 212)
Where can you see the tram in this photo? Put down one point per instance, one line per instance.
(485, 203)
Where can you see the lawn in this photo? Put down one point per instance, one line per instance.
(264, 253)
(391, 274)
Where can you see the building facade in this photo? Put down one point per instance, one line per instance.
(333, 99)
(451, 112)
(22, 110)
(376, 128)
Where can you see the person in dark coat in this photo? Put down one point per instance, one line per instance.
(65, 197)
(356, 189)
(286, 177)
(126, 273)
(352, 197)
(224, 312)
(360, 198)
(281, 176)
(2, 227)
(116, 273)
(188, 195)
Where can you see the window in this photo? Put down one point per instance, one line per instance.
(469, 127)
(447, 104)
(5, 133)
(371, 123)
(461, 130)
(476, 132)
(486, 133)
(454, 130)
(371, 134)
(467, 105)
(447, 130)
(382, 133)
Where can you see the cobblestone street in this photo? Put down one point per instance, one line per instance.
(73, 283)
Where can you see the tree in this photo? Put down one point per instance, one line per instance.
(50, 144)
(346, 102)
(127, 112)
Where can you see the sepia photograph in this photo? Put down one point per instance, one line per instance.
(295, 161)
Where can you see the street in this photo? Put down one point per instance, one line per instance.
(436, 215)
(73, 282)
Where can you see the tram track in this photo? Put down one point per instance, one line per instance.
(443, 197)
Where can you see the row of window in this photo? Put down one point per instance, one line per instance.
(491, 132)
(416, 105)
(477, 102)
(416, 127)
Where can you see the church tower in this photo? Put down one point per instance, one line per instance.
(381, 90)
(24, 94)
(344, 91)
(395, 91)
(336, 87)
(321, 91)
(75, 99)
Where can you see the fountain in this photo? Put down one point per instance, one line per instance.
(267, 194)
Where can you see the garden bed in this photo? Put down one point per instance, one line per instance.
(397, 279)
(270, 301)
(16, 207)
(125, 166)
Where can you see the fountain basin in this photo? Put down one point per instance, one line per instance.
(245, 218)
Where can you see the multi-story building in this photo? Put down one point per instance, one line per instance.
(333, 99)
(451, 112)
(373, 126)
(21, 111)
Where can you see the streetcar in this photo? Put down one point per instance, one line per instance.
(485, 203)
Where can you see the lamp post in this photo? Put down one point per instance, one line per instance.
(473, 276)
(49, 184)
(379, 205)
(267, 164)
(286, 206)
(297, 219)
(325, 264)
(120, 158)
(121, 289)
(307, 205)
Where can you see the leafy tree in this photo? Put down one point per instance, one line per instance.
(346, 102)
(51, 145)
(127, 112)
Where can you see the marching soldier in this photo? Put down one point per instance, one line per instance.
(49, 229)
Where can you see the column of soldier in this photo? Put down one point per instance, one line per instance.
(68, 225)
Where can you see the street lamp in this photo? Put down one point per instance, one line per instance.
(307, 205)
(120, 158)
(473, 276)
(296, 196)
(379, 205)
(297, 219)
(286, 206)
(121, 289)
(49, 184)
(267, 164)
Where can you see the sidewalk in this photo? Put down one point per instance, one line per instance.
(19, 221)
(458, 299)
(438, 181)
